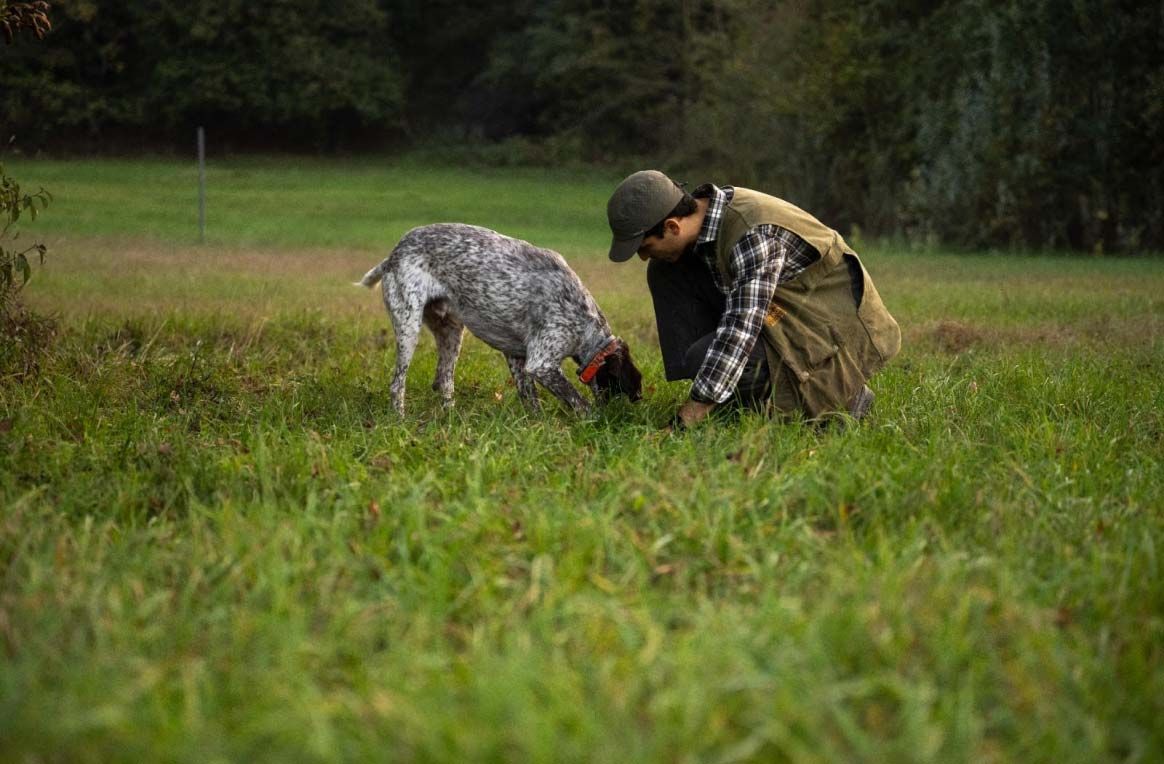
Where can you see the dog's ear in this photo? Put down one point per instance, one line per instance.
(605, 383)
(618, 375)
(629, 377)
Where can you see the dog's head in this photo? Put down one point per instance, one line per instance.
(618, 375)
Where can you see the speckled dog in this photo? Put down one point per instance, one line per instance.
(518, 298)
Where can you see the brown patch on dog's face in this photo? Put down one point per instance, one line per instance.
(618, 375)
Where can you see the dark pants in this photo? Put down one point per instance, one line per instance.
(688, 309)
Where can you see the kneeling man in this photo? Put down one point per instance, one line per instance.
(754, 298)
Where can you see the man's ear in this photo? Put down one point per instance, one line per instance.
(671, 225)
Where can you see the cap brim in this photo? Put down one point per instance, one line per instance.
(622, 250)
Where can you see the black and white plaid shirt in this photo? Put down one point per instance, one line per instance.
(767, 255)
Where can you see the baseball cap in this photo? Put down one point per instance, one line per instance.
(637, 205)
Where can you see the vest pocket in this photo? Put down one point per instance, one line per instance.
(819, 365)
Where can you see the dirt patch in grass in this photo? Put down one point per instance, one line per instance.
(955, 337)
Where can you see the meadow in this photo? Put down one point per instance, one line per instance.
(218, 543)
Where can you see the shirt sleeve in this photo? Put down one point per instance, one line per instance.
(754, 265)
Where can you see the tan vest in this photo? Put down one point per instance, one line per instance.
(824, 336)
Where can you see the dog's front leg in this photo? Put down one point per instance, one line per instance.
(553, 380)
(526, 390)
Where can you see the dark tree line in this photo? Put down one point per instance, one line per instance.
(979, 122)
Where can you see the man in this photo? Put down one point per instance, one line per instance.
(754, 299)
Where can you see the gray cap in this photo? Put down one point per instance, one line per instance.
(636, 206)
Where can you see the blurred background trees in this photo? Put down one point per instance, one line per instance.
(974, 122)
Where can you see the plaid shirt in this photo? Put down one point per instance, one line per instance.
(767, 255)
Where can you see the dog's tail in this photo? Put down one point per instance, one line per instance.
(372, 277)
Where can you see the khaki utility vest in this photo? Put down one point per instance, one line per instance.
(826, 331)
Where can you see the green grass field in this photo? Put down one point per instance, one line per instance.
(218, 544)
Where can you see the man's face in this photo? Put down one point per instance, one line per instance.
(670, 246)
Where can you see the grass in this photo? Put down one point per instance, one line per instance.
(357, 203)
(217, 544)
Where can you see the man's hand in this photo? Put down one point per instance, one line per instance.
(690, 413)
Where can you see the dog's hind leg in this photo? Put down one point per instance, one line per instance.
(526, 389)
(448, 332)
(406, 307)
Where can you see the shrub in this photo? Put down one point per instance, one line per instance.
(25, 334)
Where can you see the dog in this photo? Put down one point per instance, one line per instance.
(519, 299)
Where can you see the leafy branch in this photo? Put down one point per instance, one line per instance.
(14, 203)
(16, 17)
(32, 16)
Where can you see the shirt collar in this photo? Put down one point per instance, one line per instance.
(717, 202)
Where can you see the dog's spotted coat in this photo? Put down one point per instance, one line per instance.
(520, 299)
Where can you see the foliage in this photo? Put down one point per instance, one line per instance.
(15, 268)
(327, 73)
(128, 71)
(1018, 124)
(24, 333)
(1039, 124)
(25, 16)
(442, 47)
(602, 72)
(1015, 124)
(26, 336)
